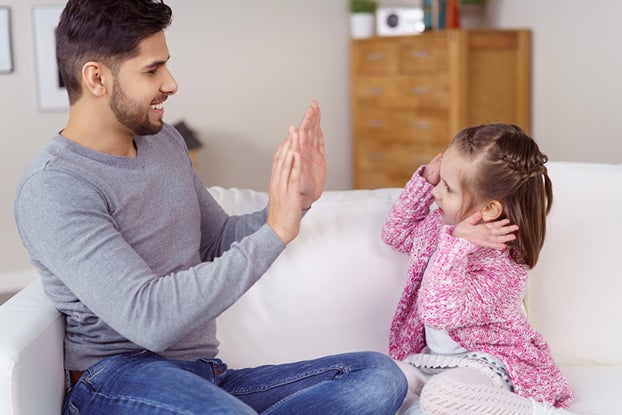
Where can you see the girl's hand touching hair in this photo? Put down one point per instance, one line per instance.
(486, 234)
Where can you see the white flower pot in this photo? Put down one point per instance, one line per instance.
(362, 25)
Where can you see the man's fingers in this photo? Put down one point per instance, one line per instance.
(307, 125)
(310, 129)
(280, 158)
(318, 138)
(294, 176)
(287, 157)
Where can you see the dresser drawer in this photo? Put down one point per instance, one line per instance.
(390, 164)
(377, 57)
(394, 156)
(426, 91)
(424, 54)
(378, 179)
(422, 127)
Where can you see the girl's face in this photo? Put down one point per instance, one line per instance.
(448, 193)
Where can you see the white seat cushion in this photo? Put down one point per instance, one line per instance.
(335, 290)
(597, 389)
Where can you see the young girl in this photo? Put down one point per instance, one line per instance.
(459, 332)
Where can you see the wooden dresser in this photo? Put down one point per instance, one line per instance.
(412, 94)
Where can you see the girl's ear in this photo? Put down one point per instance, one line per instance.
(492, 210)
(93, 79)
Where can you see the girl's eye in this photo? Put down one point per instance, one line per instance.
(447, 189)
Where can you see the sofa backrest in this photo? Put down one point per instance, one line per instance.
(336, 286)
(333, 290)
(574, 289)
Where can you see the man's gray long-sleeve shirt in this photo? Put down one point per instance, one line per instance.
(135, 251)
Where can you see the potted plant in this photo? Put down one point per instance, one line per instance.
(362, 18)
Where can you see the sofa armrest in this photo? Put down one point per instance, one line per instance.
(31, 354)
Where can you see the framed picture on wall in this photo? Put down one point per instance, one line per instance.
(6, 57)
(51, 89)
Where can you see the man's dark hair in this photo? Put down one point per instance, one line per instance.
(107, 31)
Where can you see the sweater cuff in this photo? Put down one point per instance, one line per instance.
(457, 245)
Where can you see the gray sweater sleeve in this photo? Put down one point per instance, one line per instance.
(66, 225)
(218, 230)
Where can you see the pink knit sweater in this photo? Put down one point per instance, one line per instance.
(474, 293)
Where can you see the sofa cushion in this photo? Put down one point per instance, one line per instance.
(597, 389)
(335, 290)
(574, 290)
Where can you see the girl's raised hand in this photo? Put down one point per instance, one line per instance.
(432, 171)
(486, 234)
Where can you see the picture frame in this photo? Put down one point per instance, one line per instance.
(51, 89)
(6, 53)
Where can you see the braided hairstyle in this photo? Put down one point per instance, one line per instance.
(507, 166)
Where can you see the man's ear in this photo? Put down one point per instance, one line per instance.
(93, 78)
(492, 210)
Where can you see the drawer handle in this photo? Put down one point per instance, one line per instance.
(373, 56)
(420, 54)
(421, 90)
(374, 90)
(421, 126)
(375, 123)
(375, 156)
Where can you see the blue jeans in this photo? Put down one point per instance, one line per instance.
(147, 384)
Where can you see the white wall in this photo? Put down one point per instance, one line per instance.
(577, 74)
(247, 69)
(246, 72)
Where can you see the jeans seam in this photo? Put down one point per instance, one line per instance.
(341, 370)
(287, 398)
(172, 410)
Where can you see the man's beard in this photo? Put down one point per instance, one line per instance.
(131, 114)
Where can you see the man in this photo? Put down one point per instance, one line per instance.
(140, 258)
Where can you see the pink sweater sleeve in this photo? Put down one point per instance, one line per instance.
(410, 208)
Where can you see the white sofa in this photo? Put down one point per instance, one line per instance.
(335, 287)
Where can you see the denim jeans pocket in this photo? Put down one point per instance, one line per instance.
(118, 362)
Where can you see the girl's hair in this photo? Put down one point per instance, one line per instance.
(107, 31)
(509, 167)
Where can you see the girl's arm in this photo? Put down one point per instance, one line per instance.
(467, 285)
(410, 208)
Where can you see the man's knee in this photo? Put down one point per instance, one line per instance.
(386, 381)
